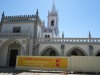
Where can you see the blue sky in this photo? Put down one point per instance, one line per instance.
(76, 17)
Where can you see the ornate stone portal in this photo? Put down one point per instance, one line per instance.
(13, 50)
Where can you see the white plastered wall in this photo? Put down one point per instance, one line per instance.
(39, 31)
(25, 27)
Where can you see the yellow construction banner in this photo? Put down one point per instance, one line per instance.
(42, 61)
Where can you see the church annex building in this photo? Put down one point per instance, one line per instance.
(27, 35)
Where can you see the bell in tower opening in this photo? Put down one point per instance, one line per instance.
(52, 23)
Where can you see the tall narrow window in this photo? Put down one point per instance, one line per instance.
(16, 29)
(74, 53)
(45, 36)
(52, 23)
(48, 36)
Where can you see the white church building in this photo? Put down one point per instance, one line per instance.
(27, 35)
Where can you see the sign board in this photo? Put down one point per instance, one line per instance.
(42, 61)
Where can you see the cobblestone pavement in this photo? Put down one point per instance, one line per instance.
(27, 73)
(13, 71)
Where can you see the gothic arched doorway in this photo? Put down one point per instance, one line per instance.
(13, 50)
(49, 52)
(76, 52)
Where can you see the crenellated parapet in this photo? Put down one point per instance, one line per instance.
(19, 18)
(22, 19)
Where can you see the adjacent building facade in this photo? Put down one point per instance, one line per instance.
(27, 35)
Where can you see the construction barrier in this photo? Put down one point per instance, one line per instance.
(85, 63)
(49, 63)
(42, 63)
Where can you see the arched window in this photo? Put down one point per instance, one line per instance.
(52, 23)
(74, 53)
(48, 36)
(52, 53)
(98, 54)
(49, 52)
(45, 36)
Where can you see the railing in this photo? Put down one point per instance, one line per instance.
(69, 40)
(13, 35)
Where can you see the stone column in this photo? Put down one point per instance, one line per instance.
(37, 50)
(2, 20)
(35, 34)
(27, 46)
(90, 50)
(62, 49)
(33, 51)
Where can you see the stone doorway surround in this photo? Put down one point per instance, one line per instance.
(12, 46)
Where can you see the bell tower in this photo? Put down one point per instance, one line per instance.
(53, 20)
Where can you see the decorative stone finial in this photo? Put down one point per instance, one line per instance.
(3, 14)
(37, 12)
(43, 22)
(62, 34)
(53, 7)
(89, 34)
